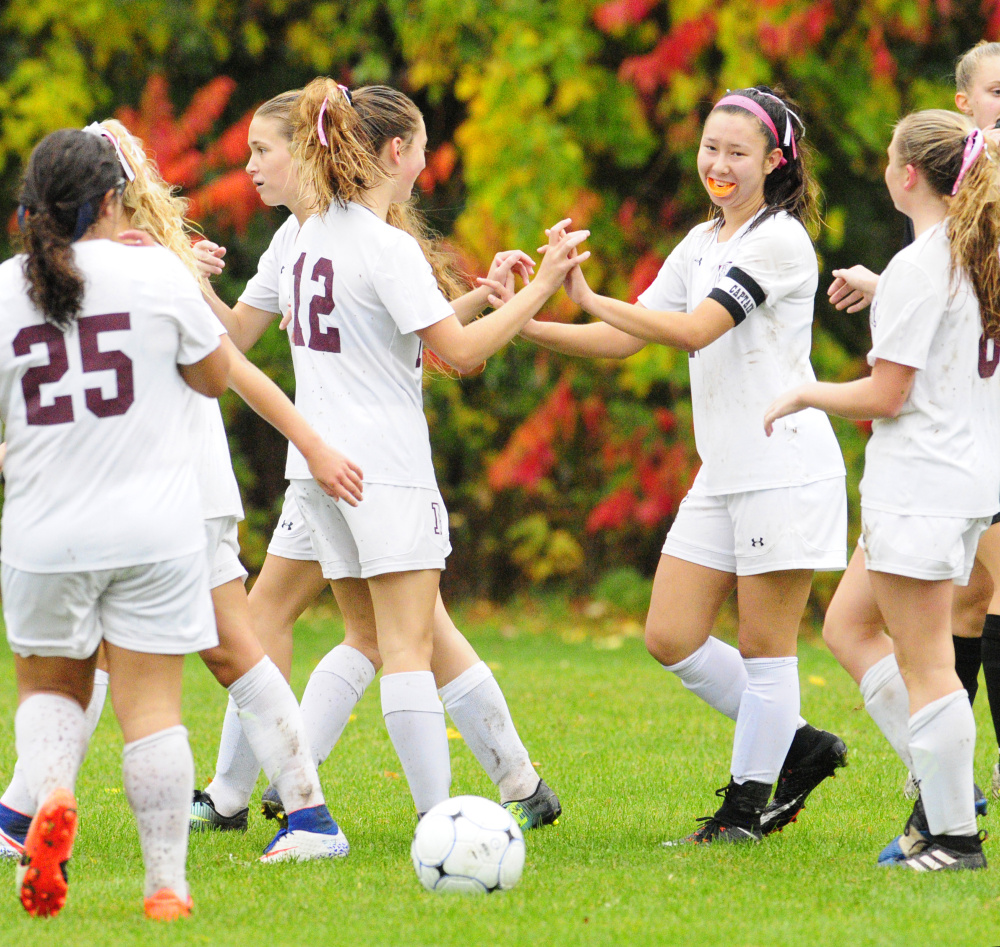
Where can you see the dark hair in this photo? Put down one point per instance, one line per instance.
(68, 174)
(790, 188)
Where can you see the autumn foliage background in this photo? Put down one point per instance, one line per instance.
(554, 471)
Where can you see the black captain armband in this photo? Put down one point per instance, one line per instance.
(739, 293)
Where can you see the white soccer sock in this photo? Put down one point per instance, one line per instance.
(888, 704)
(16, 796)
(273, 724)
(236, 767)
(477, 706)
(158, 772)
(768, 718)
(714, 672)
(942, 744)
(335, 686)
(414, 718)
(51, 736)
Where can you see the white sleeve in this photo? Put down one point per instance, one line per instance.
(905, 316)
(262, 290)
(668, 292)
(199, 327)
(405, 284)
(772, 262)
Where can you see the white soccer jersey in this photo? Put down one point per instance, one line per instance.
(262, 291)
(359, 290)
(941, 455)
(767, 279)
(98, 469)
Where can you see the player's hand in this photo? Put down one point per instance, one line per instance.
(500, 282)
(852, 289)
(135, 238)
(523, 265)
(210, 257)
(560, 255)
(3, 455)
(783, 405)
(339, 477)
(286, 318)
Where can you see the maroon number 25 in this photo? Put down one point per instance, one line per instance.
(93, 359)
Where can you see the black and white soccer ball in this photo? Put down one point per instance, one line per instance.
(468, 844)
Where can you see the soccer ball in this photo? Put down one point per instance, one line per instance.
(468, 844)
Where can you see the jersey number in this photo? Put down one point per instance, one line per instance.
(93, 359)
(989, 356)
(320, 340)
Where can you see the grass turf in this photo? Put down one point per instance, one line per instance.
(634, 758)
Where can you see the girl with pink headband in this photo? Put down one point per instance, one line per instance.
(932, 474)
(737, 295)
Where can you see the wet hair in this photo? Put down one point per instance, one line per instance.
(154, 205)
(969, 62)
(381, 114)
(791, 187)
(62, 191)
(933, 141)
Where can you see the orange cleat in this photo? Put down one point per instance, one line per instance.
(165, 905)
(41, 875)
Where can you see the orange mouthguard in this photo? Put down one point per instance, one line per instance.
(720, 188)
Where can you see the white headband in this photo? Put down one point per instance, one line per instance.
(94, 128)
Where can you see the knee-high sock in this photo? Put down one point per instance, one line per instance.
(51, 736)
(477, 706)
(991, 668)
(968, 658)
(236, 767)
(768, 718)
(335, 686)
(888, 704)
(158, 773)
(942, 744)
(414, 718)
(716, 673)
(16, 795)
(273, 724)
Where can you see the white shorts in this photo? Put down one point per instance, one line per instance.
(291, 539)
(222, 538)
(393, 529)
(802, 527)
(158, 608)
(921, 547)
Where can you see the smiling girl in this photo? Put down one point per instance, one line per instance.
(761, 516)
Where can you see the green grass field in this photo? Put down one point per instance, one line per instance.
(634, 758)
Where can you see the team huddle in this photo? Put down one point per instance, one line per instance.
(114, 348)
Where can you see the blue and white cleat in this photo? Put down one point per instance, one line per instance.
(311, 834)
(916, 836)
(14, 827)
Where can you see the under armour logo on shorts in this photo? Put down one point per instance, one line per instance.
(757, 542)
(436, 509)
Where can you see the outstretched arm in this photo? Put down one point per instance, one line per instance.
(338, 476)
(881, 395)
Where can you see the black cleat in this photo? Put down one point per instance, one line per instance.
(813, 756)
(737, 819)
(271, 807)
(948, 853)
(204, 817)
(540, 808)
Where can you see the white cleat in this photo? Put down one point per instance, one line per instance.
(301, 845)
(910, 787)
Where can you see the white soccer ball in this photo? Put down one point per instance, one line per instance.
(468, 844)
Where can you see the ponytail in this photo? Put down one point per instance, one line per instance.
(791, 186)
(334, 161)
(68, 174)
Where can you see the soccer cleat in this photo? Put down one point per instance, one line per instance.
(13, 831)
(736, 820)
(271, 807)
(205, 818)
(41, 875)
(813, 756)
(916, 835)
(910, 787)
(166, 905)
(947, 853)
(540, 808)
(311, 834)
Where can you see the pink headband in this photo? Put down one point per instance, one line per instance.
(745, 102)
(975, 141)
(322, 112)
(96, 129)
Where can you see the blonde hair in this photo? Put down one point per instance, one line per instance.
(934, 142)
(970, 61)
(154, 205)
(384, 113)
